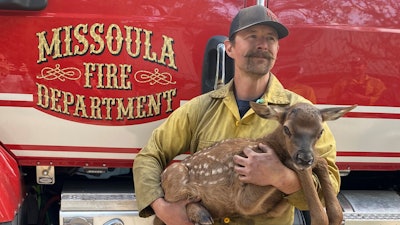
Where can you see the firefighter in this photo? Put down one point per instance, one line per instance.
(225, 113)
(359, 87)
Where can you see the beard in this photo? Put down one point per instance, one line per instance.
(259, 62)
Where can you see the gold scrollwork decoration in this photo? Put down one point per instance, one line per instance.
(69, 73)
(143, 76)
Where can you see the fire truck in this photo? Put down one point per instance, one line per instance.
(84, 83)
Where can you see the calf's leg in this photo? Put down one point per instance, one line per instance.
(198, 214)
(317, 212)
(333, 208)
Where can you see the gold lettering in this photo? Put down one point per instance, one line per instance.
(125, 111)
(125, 70)
(112, 79)
(115, 78)
(147, 44)
(168, 96)
(154, 105)
(80, 107)
(76, 42)
(140, 113)
(100, 76)
(67, 41)
(45, 49)
(110, 39)
(89, 67)
(104, 108)
(167, 51)
(81, 39)
(129, 41)
(68, 101)
(108, 102)
(43, 96)
(95, 112)
(55, 94)
(97, 38)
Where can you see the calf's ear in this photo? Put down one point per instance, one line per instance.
(266, 111)
(335, 112)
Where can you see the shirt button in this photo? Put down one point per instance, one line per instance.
(237, 123)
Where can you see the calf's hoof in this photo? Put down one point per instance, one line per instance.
(198, 214)
(157, 221)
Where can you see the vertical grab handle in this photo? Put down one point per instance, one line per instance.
(220, 68)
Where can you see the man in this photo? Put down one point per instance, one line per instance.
(225, 113)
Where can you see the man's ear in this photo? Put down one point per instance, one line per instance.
(228, 47)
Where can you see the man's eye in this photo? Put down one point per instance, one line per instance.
(252, 36)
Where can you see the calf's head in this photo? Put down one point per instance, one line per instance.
(301, 127)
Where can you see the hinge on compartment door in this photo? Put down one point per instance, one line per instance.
(45, 174)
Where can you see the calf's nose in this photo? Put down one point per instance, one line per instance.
(304, 158)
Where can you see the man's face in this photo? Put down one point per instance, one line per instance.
(254, 50)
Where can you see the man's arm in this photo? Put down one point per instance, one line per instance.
(171, 213)
(167, 141)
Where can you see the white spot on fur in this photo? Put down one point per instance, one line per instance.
(211, 157)
(216, 171)
(213, 182)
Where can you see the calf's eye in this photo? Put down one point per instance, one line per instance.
(320, 133)
(287, 131)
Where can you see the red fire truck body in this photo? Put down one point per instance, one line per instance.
(84, 83)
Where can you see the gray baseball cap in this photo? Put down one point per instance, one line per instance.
(255, 15)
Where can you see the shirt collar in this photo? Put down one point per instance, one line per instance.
(274, 94)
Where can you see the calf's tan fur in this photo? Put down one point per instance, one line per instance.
(208, 176)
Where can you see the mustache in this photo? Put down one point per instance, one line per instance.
(258, 54)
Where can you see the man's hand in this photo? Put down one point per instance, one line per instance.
(265, 169)
(171, 213)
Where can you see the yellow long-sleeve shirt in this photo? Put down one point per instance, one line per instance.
(209, 118)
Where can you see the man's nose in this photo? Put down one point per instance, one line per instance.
(262, 43)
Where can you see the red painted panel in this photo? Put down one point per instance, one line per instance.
(341, 52)
(87, 63)
(10, 186)
(113, 62)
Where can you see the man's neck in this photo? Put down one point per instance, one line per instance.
(250, 88)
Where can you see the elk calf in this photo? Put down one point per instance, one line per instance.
(208, 175)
